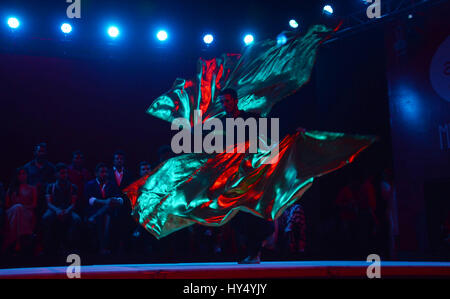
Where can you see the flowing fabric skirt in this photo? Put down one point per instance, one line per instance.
(210, 189)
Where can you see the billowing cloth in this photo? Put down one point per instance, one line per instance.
(211, 188)
(262, 76)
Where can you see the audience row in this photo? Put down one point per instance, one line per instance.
(56, 203)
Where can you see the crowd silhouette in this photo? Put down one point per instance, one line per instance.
(51, 210)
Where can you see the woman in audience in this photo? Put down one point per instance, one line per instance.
(20, 204)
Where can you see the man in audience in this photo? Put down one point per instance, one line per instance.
(40, 170)
(40, 173)
(60, 220)
(103, 203)
(79, 176)
(118, 174)
(144, 168)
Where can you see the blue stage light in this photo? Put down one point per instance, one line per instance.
(328, 10)
(208, 39)
(66, 28)
(248, 39)
(13, 23)
(293, 23)
(113, 31)
(281, 39)
(162, 35)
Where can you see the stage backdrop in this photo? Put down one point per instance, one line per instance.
(418, 51)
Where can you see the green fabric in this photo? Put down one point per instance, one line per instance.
(211, 188)
(262, 76)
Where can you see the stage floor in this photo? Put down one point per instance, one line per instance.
(303, 269)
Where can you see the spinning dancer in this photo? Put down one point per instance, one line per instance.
(211, 188)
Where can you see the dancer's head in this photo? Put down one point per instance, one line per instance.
(229, 100)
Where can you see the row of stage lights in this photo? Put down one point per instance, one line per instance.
(162, 35)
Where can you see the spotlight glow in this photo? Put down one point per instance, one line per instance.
(327, 9)
(162, 35)
(281, 39)
(66, 28)
(248, 39)
(208, 39)
(13, 23)
(293, 23)
(113, 31)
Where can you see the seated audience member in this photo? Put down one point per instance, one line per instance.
(79, 176)
(20, 204)
(61, 223)
(102, 207)
(40, 173)
(144, 168)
